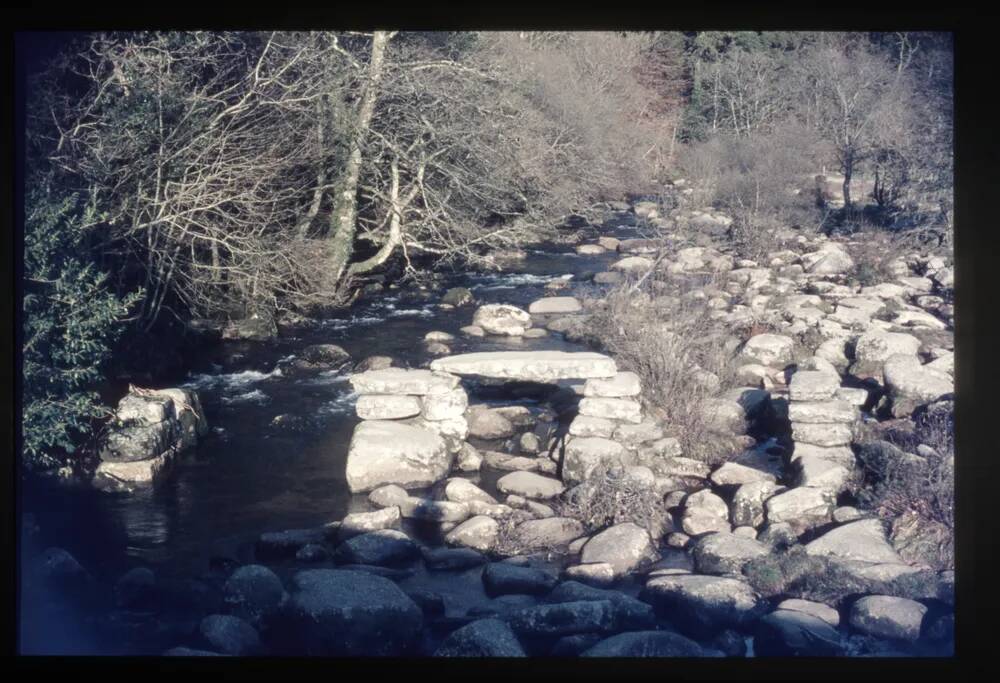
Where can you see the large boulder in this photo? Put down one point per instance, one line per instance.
(769, 349)
(314, 359)
(479, 533)
(877, 346)
(703, 605)
(532, 366)
(482, 638)
(705, 512)
(911, 384)
(349, 613)
(386, 452)
(254, 593)
(502, 319)
(723, 553)
(381, 547)
(863, 540)
(830, 259)
(565, 618)
(792, 633)
(624, 546)
(885, 616)
(501, 578)
(802, 507)
(583, 454)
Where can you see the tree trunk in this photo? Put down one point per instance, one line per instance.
(848, 172)
(341, 246)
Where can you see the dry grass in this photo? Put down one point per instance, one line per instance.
(652, 329)
(609, 497)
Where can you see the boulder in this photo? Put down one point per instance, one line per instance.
(460, 490)
(830, 259)
(813, 385)
(254, 593)
(502, 319)
(481, 638)
(479, 533)
(646, 644)
(362, 522)
(877, 346)
(612, 408)
(769, 349)
(632, 264)
(701, 604)
(349, 613)
(884, 616)
(748, 502)
(546, 534)
(583, 454)
(386, 452)
(802, 507)
(489, 424)
(826, 435)
(789, 633)
(457, 296)
(862, 540)
(530, 485)
(444, 406)
(814, 609)
(386, 406)
(734, 474)
(565, 618)
(229, 635)
(622, 385)
(502, 578)
(723, 553)
(585, 425)
(624, 546)
(912, 385)
(382, 547)
(555, 304)
(705, 512)
(534, 366)
(402, 381)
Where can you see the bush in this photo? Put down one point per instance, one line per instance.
(69, 321)
(608, 497)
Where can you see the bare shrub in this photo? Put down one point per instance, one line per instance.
(609, 496)
(651, 328)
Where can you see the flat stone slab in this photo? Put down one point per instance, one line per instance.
(537, 366)
(555, 304)
(863, 540)
(402, 381)
(387, 452)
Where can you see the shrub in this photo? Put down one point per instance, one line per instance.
(69, 320)
(608, 497)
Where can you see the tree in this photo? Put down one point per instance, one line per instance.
(70, 319)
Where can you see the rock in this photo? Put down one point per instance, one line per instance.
(624, 546)
(813, 609)
(457, 296)
(402, 381)
(593, 574)
(803, 508)
(489, 424)
(745, 532)
(566, 618)
(583, 454)
(316, 358)
(590, 249)
(254, 593)
(229, 635)
(388, 496)
(821, 473)
(822, 412)
(608, 278)
(136, 589)
(529, 443)
(473, 331)
(877, 346)
(461, 490)
(862, 540)
(468, 459)
(364, 522)
(723, 553)
(479, 533)
(612, 408)
(350, 613)
(830, 259)
(704, 512)
(769, 349)
(434, 510)
(373, 363)
(789, 633)
(254, 328)
(884, 616)
(385, 452)
(501, 319)
(825, 435)
(646, 644)
(386, 407)
(748, 502)
(535, 366)
(555, 304)
(530, 485)
(444, 406)
(546, 534)
(452, 559)
(813, 385)
(585, 425)
(312, 552)
(382, 547)
(632, 264)
(572, 646)
(190, 652)
(481, 638)
(276, 545)
(846, 514)
(734, 474)
(502, 578)
(703, 604)
(912, 385)
(138, 442)
(622, 385)
(778, 535)
(535, 333)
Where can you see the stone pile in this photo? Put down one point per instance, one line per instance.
(151, 427)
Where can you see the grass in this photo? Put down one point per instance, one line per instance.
(608, 497)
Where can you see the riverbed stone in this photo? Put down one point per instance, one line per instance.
(816, 609)
(748, 502)
(274, 545)
(503, 578)
(583, 454)
(863, 540)
(722, 553)
(912, 385)
(461, 490)
(632, 264)
(481, 638)
(622, 385)
(769, 349)
(253, 592)
(489, 424)
(813, 385)
(705, 512)
(546, 534)
(402, 381)
(826, 435)
(430, 510)
(362, 522)
(386, 406)
(502, 319)
(646, 644)
(387, 496)
(593, 574)
(479, 533)
(350, 613)
(530, 485)
(703, 604)
(802, 507)
(565, 618)
(612, 408)
(229, 635)
(555, 304)
(885, 616)
(822, 412)
(789, 633)
(624, 546)
(535, 366)
(585, 425)
(444, 406)
(384, 547)
(452, 559)
(877, 346)
(735, 474)
(387, 452)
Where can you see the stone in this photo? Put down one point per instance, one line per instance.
(822, 412)
(386, 407)
(479, 533)
(350, 613)
(585, 425)
(473, 331)
(382, 547)
(769, 349)
(546, 534)
(583, 454)
(501, 319)
(855, 396)
(590, 249)
(489, 424)
(745, 532)
(434, 510)
(634, 435)
(457, 296)
(530, 485)
(748, 502)
(481, 638)
(622, 385)
(461, 490)
(821, 473)
(386, 452)
(825, 435)
(814, 609)
(911, 384)
(276, 545)
(788, 633)
(537, 366)
(555, 304)
(885, 616)
(388, 496)
(502, 578)
(402, 381)
(878, 346)
(705, 512)
(830, 259)
(444, 406)
(632, 264)
(646, 644)
(612, 408)
(734, 474)
(723, 553)
(452, 559)
(813, 385)
(373, 363)
(565, 618)
(624, 546)
(254, 592)
(136, 588)
(803, 508)
(702, 604)
(468, 459)
(778, 535)
(229, 635)
(593, 574)
(863, 540)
